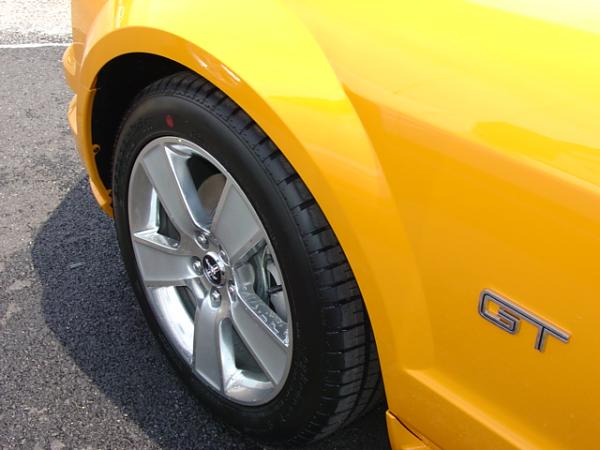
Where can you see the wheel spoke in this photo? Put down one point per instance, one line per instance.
(263, 332)
(210, 344)
(168, 172)
(160, 262)
(235, 225)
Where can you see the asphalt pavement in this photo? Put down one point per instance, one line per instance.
(78, 366)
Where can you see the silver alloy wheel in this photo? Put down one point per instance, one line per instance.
(210, 273)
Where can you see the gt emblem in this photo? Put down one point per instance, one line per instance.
(508, 317)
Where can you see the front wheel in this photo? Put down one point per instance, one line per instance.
(236, 268)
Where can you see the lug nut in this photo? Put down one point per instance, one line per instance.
(232, 290)
(224, 256)
(197, 266)
(202, 239)
(215, 298)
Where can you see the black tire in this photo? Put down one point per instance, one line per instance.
(335, 375)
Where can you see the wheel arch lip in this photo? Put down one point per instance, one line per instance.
(290, 89)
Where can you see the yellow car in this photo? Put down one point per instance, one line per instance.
(315, 199)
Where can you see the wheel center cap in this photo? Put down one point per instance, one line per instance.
(213, 270)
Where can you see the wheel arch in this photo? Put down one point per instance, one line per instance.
(112, 98)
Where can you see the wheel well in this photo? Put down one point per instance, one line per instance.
(117, 85)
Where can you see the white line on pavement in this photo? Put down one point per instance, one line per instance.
(43, 44)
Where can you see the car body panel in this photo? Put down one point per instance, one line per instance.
(454, 147)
